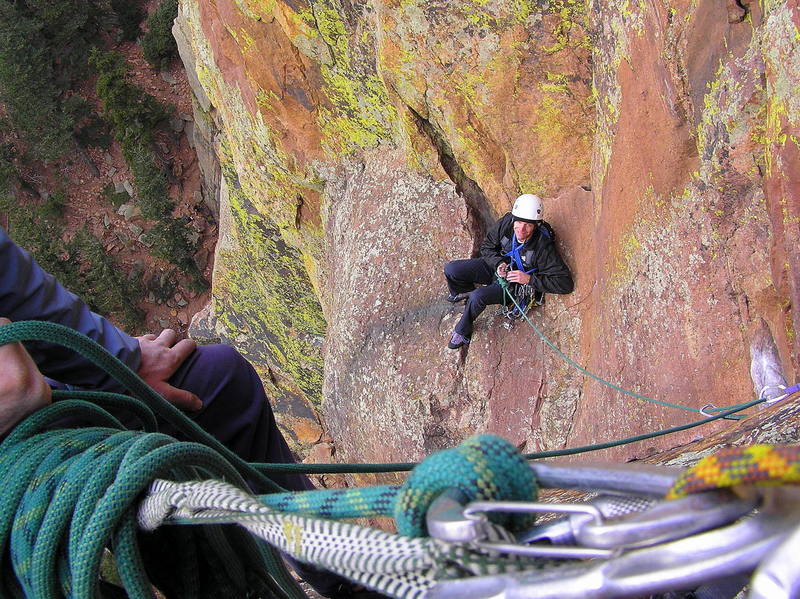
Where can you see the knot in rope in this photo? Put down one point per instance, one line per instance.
(483, 467)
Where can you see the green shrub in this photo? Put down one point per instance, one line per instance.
(135, 116)
(27, 85)
(114, 197)
(171, 243)
(90, 128)
(158, 44)
(103, 284)
(129, 14)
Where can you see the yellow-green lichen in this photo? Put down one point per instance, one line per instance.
(266, 99)
(257, 10)
(773, 135)
(622, 272)
(572, 16)
(360, 114)
(247, 40)
(263, 298)
(526, 184)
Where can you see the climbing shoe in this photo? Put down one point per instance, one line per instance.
(457, 341)
(454, 298)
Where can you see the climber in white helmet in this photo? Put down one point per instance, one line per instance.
(520, 248)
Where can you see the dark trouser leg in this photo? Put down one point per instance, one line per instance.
(462, 275)
(477, 302)
(235, 409)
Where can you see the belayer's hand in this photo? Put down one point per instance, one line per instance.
(502, 270)
(161, 357)
(517, 276)
(23, 389)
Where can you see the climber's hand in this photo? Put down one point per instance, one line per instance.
(23, 389)
(517, 276)
(161, 357)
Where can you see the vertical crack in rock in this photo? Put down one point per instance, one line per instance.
(477, 206)
(299, 211)
(737, 11)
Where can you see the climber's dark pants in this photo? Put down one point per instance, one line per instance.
(462, 276)
(236, 411)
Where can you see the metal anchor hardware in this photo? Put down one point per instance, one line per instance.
(627, 546)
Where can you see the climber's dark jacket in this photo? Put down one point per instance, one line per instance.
(539, 252)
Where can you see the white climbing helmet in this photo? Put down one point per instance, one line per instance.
(528, 207)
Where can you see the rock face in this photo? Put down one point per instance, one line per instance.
(361, 145)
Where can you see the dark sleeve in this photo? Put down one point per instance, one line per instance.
(29, 293)
(492, 249)
(552, 274)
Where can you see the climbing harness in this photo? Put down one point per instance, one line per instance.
(526, 296)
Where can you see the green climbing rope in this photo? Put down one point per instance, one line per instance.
(482, 467)
(504, 284)
(89, 349)
(407, 466)
(70, 493)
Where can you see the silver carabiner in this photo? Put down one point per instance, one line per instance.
(666, 521)
(777, 577)
(630, 479)
(446, 520)
(477, 511)
(710, 406)
(683, 564)
(562, 530)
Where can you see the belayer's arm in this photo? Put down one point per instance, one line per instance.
(29, 293)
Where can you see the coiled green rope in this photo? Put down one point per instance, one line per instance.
(70, 493)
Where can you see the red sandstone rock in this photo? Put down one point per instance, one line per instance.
(377, 140)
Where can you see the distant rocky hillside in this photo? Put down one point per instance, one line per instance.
(355, 147)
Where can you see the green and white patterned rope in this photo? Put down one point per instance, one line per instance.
(396, 565)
